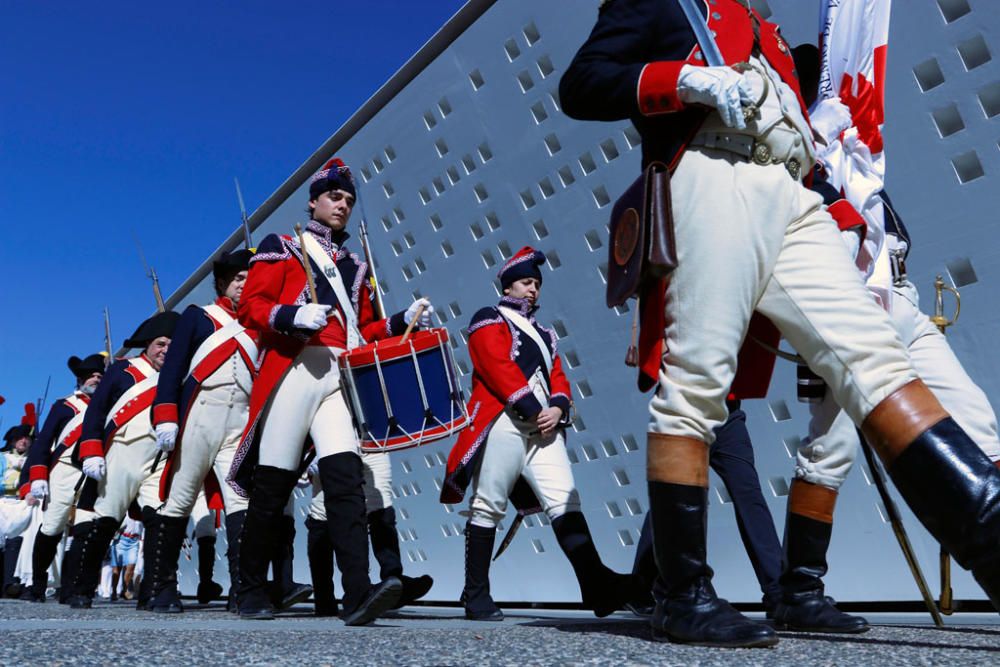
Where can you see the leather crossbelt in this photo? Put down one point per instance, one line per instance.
(748, 148)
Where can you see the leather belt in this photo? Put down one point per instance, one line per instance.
(748, 148)
(897, 261)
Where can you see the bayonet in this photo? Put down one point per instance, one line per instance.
(107, 339)
(247, 240)
(151, 274)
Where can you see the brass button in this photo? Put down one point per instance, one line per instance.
(716, 15)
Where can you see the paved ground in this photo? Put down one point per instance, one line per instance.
(114, 633)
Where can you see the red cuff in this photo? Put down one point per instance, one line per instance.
(165, 412)
(657, 89)
(846, 216)
(90, 448)
(23, 491)
(36, 473)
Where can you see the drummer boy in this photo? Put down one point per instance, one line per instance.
(297, 395)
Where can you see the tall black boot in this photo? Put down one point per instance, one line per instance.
(808, 527)
(208, 590)
(92, 548)
(151, 526)
(262, 535)
(320, 552)
(603, 590)
(166, 551)
(234, 532)
(41, 558)
(479, 606)
(385, 546)
(343, 495)
(285, 591)
(71, 560)
(11, 585)
(687, 608)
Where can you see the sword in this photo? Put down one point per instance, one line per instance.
(45, 396)
(107, 339)
(363, 231)
(247, 241)
(151, 274)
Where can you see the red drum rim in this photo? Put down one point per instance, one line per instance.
(406, 442)
(395, 347)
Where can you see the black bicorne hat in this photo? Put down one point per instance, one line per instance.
(16, 432)
(84, 368)
(161, 324)
(230, 263)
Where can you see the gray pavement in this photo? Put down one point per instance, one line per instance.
(115, 633)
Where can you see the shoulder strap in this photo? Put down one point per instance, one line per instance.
(328, 268)
(231, 329)
(525, 325)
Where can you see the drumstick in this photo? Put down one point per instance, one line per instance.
(306, 265)
(413, 323)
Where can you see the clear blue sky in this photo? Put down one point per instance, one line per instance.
(130, 117)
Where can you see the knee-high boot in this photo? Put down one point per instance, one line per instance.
(479, 605)
(166, 552)
(342, 478)
(41, 558)
(385, 546)
(262, 534)
(320, 552)
(151, 526)
(285, 592)
(687, 608)
(603, 590)
(71, 560)
(808, 527)
(948, 482)
(208, 590)
(234, 531)
(92, 548)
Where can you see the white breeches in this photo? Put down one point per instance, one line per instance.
(63, 494)
(749, 237)
(129, 477)
(202, 517)
(378, 485)
(211, 434)
(307, 401)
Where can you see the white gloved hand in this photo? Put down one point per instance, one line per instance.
(425, 317)
(722, 88)
(312, 316)
(829, 118)
(40, 489)
(166, 436)
(94, 467)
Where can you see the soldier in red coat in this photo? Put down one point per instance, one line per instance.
(516, 446)
(296, 396)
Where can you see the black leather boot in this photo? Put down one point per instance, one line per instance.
(687, 608)
(479, 605)
(166, 552)
(385, 546)
(320, 551)
(954, 489)
(342, 478)
(71, 560)
(91, 551)
(262, 534)
(208, 590)
(41, 558)
(603, 590)
(803, 606)
(150, 525)
(285, 592)
(234, 532)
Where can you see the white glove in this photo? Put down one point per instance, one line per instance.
(94, 467)
(723, 88)
(166, 436)
(311, 316)
(425, 317)
(40, 489)
(829, 118)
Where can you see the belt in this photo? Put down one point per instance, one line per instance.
(748, 148)
(897, 261)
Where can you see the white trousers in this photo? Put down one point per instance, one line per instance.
(307, 401)
(378, 486)
(202, 517)
(212, 432)
(750, 237)
(828, 454)
(63, 495)
(130, 475)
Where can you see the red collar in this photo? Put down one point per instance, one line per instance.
(227, 305)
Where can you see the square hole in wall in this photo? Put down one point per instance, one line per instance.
(552, 144)
(792, 444)
(492, 221)
(779, 486)
(388, 189)
(452, 175)
(928, 74)
(442, 316)
(609, 448)
(444, 107)
(397, 249)
(480, 191)
(622, 309)
(723, 495)
(446, 249)
(952, 10)
(545, 66)
(584, 388)
(630, 443)
(485, 154)
(504, 249)
(524, 81)
(634, 506)
(476, 79)
(488, 259)
(441, 147)
(454, 308)
(974, 52)
(571, 455)
(463, 366)
(512, 50)
(609, 150)
(961, 272)
(601, 197)
(398, 214)
(390, 153)
(602, 271)
(762, 8)
(438, 185)
(365, 174)
(989, 99)
(614, 511)
(541, 231)
(621, 477)
(537, 545)
(560, 328)
(571, 357)
(625, 537)
(593, 240)
(948, 120)
(632, 138)
(553, 259)
(779, 411)
(429, 120)
(546, 188)
(967, 167)
(531, 34)
(436, 223)
(477, 231)
(425, 196)
(407, 272)
(538, 112)
(386, 223)
(566, 176)
(377, 164)
(579, 425)
(589, 452)
(468, 164)
(587, 163)
(527, 201)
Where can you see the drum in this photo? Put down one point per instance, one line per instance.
(403, 394)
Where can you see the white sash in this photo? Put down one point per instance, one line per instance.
(135, 390)
(332, 275)
(230, 329)
(80, 406)
(522, 323)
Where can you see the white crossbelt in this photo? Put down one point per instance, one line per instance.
(230, 329)
(80, 406)
(525, 325)
(329, 270)
(135, 390)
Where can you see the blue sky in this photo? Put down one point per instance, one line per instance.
(119, 118)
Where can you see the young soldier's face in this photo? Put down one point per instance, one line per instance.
(235, 288)
(525, 288)
(332, 209)
(156, 351)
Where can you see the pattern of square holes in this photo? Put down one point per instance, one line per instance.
(485, 154)
(524, 81)
(967, 167)
(480, 191)
(989, 99)
(601, 196)
(609, 448)
(974, 52)
(621, 477)
(436, 223)
(468, 164)
(609, 150)
(779, 411)
(948, 120)
(634, 506)
(492, 221)
(614, 511)
(928, 74)
(545, 66)
(566, 176)
(539, 113)
(546, 188)
(476, 79)
(629, 443)
(625, 537)
(552, 144)
(512, 50)
(553, 259)
(541, 231)
(952, 10)
(593, 239)
(531, 34)
(587, 163)
(571, 358)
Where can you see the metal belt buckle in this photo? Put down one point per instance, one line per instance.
(794, 168)
(761, 154)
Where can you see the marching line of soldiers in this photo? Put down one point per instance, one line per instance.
(241, 400)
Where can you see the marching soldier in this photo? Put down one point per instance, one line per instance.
(751, 238)
(118, 449)
(521, 406)
(13, 457)
(297, 394)
(54, 468)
